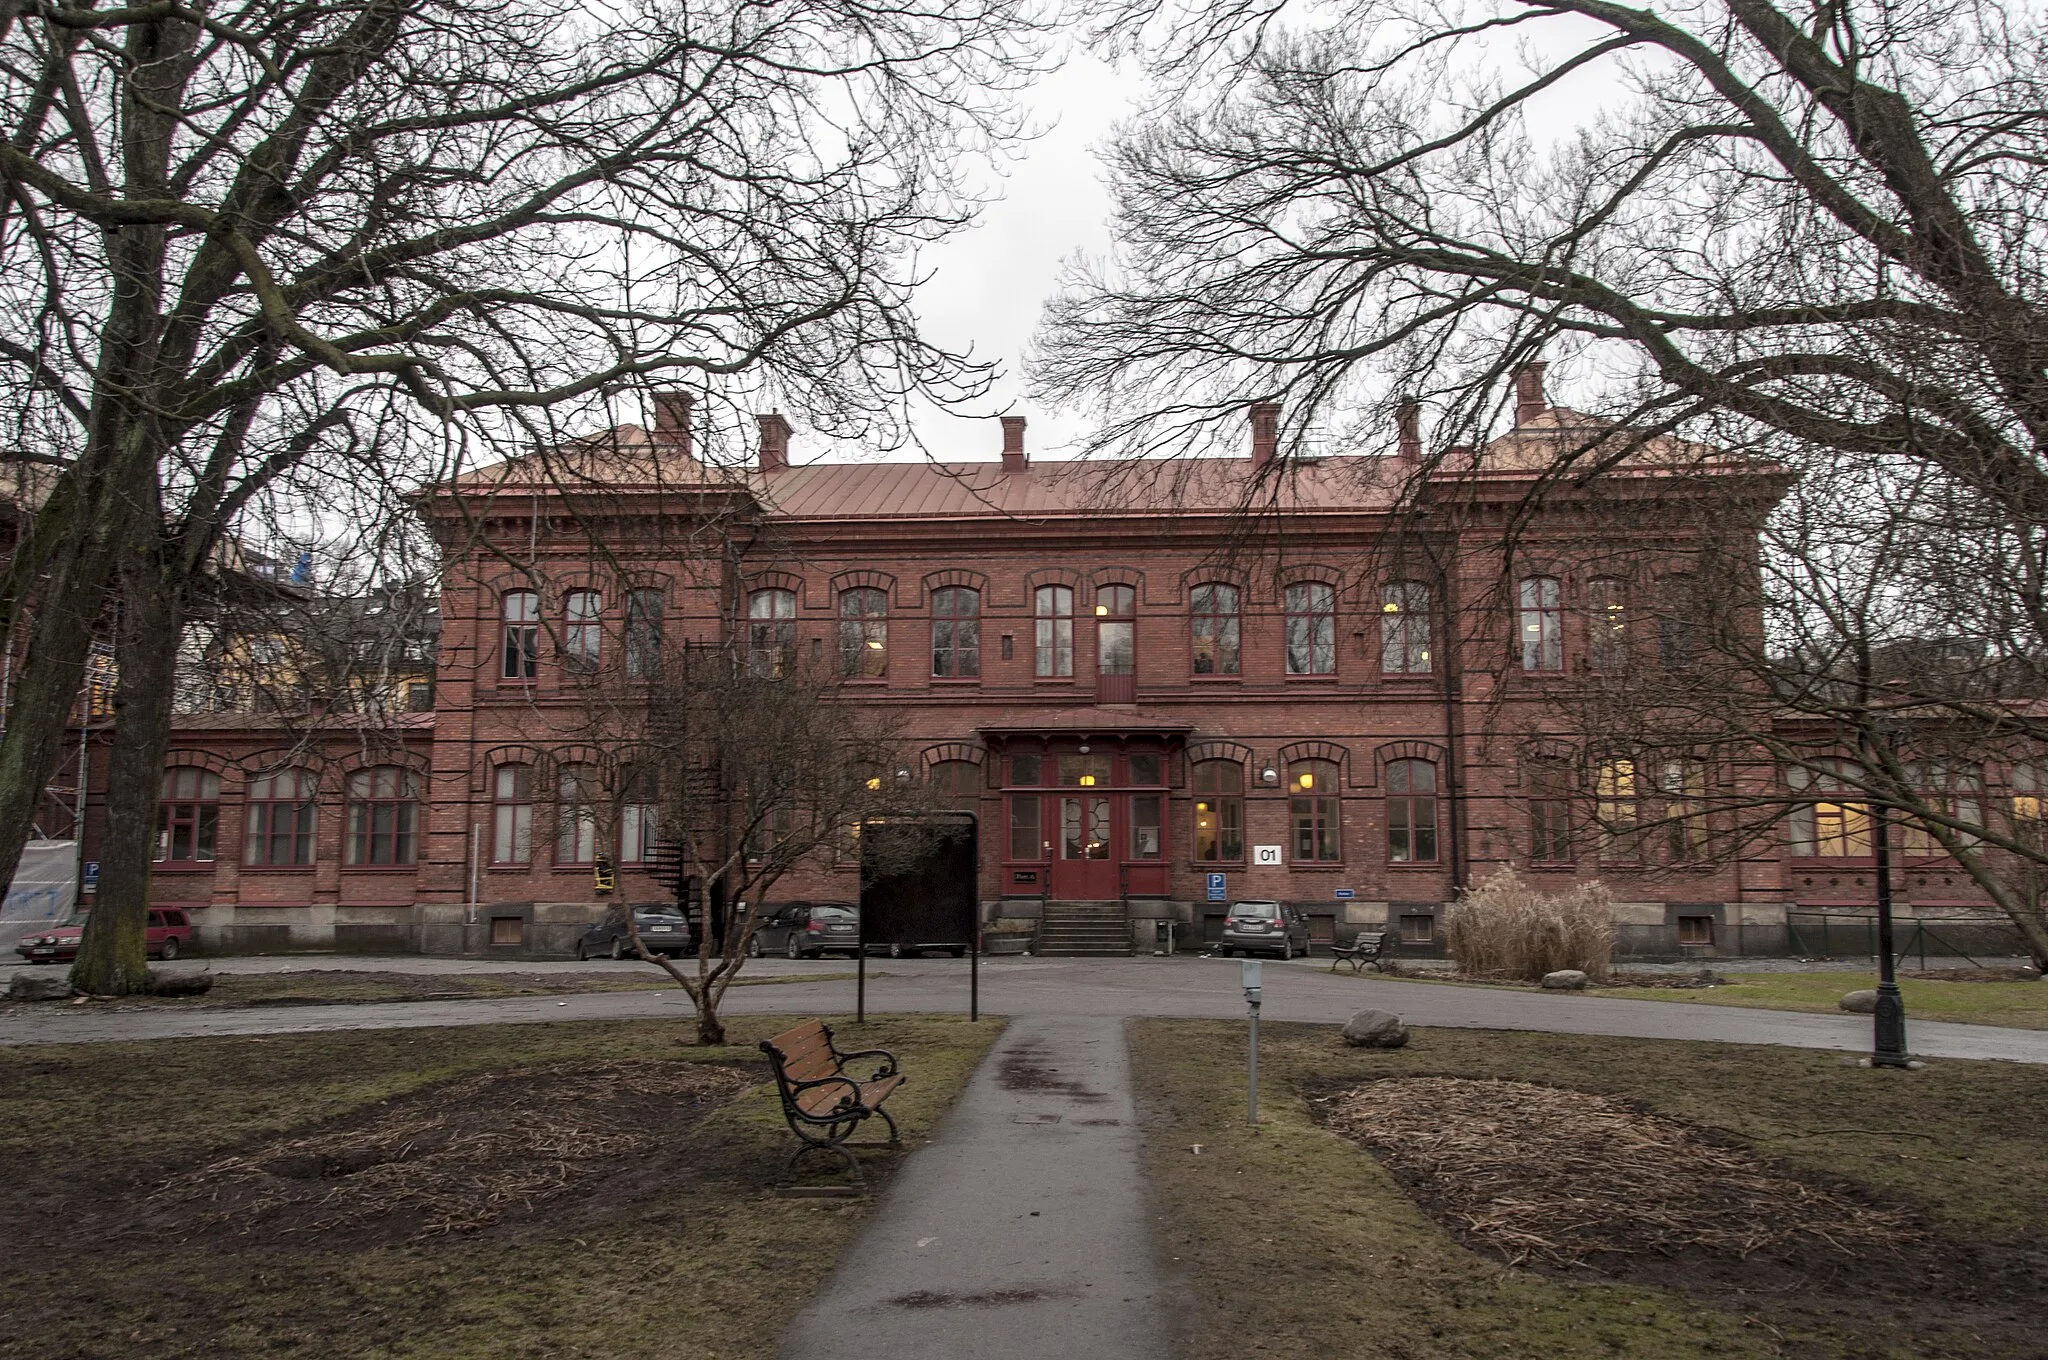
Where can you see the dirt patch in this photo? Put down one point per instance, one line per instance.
(456, 1157)
(1969, 975)
(1562, 1178)
(994, 1298)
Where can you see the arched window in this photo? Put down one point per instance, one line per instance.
(188, 816)
(1682, 786)
(280, 830)
(1617, 806)
(1311, 629)
(639, 814)
(1550, 810)
(1404, 628)
(1606, 624)
(1828, 826)
(956, 633)
(863, 632)
(576, 794)
(512, 814)
(383, 816)
(1219, 811)
(643, 633)
(957, 783)
(1213, 624)
(1116, 630)
(1054, 608)
(1312, 809)
(771, 633)
(1411, 812)
(521, 651)
(1542, 624)
(582, 631)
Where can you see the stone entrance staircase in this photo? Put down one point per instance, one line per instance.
(1085, 928)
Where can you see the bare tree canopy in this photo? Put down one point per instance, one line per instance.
(1817, 222)
(235, 238)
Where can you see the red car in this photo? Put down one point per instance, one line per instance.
(170, 931)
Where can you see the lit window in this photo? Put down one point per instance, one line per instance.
(1404, 629)
(863, 633)
(1825, 825)
(1219, 811)
(1616, 806)
(1312, 809)
(1606, 625)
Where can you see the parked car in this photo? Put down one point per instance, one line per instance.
(168, 934)
(805, 930)
(1265, 928)
(918, 950)
(663, 929)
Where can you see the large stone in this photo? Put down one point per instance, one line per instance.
(163, 983)
(1565, 980)
(54, 985)
(1859, 1003)
(1375, 1029)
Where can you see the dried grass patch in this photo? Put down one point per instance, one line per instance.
(457, 1157)
(1556, 1177)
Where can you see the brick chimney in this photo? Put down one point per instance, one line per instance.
(1265, 433)
(672, 418)
(1529, 399)
(1014, 459)
(1408, 421)
(774, 441)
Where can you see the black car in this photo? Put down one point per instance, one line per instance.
(804, 930)
(663, 929)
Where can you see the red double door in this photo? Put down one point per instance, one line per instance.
(1099, 837)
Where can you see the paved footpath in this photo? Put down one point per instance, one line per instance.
(1194, 987)
(1019, 1234)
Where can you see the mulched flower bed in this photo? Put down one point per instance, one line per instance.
(1562, 1178)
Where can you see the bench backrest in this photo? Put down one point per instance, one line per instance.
(804, 1053)
(1371, 943)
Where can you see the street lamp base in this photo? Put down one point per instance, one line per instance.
(1903, 1064)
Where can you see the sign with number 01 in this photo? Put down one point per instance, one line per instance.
(1266, 854)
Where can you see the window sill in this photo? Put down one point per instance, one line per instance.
(1540, 866)
(955, 681)
(1415, 865)
(184, 866)
(1053, 681)
(380, 868)
(1327, 678)
(1407, 677)
(279, 868)
(1212, 678)
(1317, 866)
(866, 681)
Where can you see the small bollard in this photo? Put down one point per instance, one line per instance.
(1248, 974)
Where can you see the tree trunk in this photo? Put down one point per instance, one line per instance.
(113, 955)
(710, 1029)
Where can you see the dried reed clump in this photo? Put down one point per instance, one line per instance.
(1505, 928)
(1554, 1176)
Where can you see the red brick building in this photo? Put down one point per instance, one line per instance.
(1146, 678)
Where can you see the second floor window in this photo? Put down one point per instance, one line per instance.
(1116, 630)
(1404, 629)
(1213, 622)
(1054, 610)
(956, 633)
(1312, 808)
(1541, 623)
(520, 659)
(512, 814)
(643, 633)
(771, 633)
(188, 817)
(383, 816)
(1411, 812)
(1219, 811)
(281, 818)
(863, 633)
(582, 633)
(1311, 629)
(1606, 625)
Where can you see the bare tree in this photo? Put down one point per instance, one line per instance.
(734, 765)
(244, 245)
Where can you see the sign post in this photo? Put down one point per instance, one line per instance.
(1248, 974)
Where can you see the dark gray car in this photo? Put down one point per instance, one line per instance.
(1258, 927)
(663, 929)
(804, 930)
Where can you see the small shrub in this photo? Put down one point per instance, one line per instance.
(1505, 928)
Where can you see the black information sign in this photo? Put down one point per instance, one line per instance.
(920, 888)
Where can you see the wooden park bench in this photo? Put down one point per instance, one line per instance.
(1369, 947)
(823, 1102)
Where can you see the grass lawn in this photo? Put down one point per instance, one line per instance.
(2023, 1005)
(338, 987)
(1301, 1240)
(132, 1228)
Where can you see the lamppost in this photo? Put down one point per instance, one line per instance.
(1888, 1046)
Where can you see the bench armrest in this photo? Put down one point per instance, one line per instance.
(847, 1104)
(887, 1069)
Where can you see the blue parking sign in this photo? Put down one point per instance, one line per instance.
(1217, 890)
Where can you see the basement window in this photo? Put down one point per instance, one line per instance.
(1418, 929)
(1696, 930)
(507, 930)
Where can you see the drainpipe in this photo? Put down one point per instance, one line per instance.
(1454, 788)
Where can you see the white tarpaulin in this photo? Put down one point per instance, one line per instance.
(45, 887)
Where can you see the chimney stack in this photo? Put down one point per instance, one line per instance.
(1265, 433)
(1530, 402)
(1408, 420)
(672, 419)
(774, 441)
(1014, 459)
